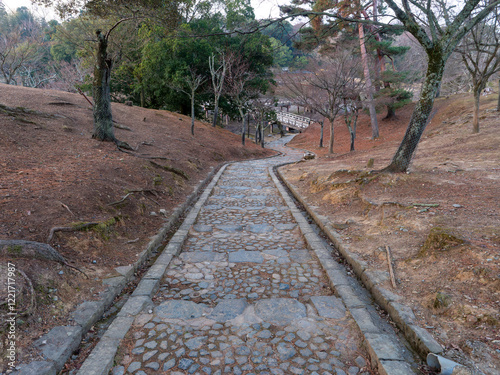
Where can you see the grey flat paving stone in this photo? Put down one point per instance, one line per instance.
(246, 256)
(201, 256)
(280, 311)
(259, 228)
(230, 228)
(276, 253)
(228, 309)
(329, 306)
(179, 310)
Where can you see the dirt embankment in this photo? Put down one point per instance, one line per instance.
(53, 174)
(441, 220)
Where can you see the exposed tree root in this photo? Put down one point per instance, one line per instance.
(123, 145)
(170, 169)
(146, 156)
(74, 228)
(32, 304)
(130, 192)
(33, 250)
(117, 125)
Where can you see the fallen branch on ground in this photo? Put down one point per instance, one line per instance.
(171, 169)
(425, 204)
(391, 272)
(147, 156)
(33, 250)
(66, 207)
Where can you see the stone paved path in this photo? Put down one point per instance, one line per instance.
(245, 296)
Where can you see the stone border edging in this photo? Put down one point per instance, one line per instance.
(421, 340)
(383, 347)
(101, 359)
(60, 342)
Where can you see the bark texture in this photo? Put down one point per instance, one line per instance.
(369, 85)
(103, 119)
(421, 114)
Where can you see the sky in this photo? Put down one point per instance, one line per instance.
(263, 8)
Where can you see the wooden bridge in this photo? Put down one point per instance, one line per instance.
(293, 121)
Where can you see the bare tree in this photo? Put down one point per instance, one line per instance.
(323, 88)
(218, 73)
(480, 52)
(369, 84)
(264, 113)
(189, 84)
(20, 44)
(238, 87)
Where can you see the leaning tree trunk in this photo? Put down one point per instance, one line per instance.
(192, 112)
(261, 136)
(321, 135)
(420, 117)
(103, 119)
(216, 114)
(498, 103)
(332, 134)
(391, 113)
(475, 117)
(369, 85)
(243, 129)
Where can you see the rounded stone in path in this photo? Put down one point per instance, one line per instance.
(280, 311)
(179, 309)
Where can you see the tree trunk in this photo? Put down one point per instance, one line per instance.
(420, 117)
(243, 130)
(498, 104)
(257, 132)
(248, 125)
(321, 136)
(103, 119)
(369, 85)
(192, 112)
(330, 149)
(391, 113)
(475, 118)
(262, 140)
(216, 115)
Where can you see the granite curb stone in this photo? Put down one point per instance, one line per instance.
(421, 340)
(379, 344)
(95, 364)
(88, 313)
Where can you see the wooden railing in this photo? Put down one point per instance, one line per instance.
(293, 120)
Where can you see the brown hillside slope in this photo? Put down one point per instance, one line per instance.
(53, 174)
(441, 220)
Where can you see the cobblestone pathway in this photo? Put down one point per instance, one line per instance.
(245, 296)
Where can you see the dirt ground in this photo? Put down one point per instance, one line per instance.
(441, 220)
(53, 174)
